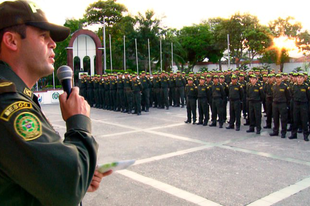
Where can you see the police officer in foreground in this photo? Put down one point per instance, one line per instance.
(37, 167)
(191, 97)
(281, 99)
(235, 98)
(217, 94)
(203, 98)
(255, 94)
(301, 97)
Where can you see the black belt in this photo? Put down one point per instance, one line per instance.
(275, 102)
(300, 103)
(231, 99)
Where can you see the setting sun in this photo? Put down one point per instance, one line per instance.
(284, 42)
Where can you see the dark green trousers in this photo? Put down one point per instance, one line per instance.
(279, 110)
(235, 113)
(255, 115)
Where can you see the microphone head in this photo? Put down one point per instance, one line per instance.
(64, 72)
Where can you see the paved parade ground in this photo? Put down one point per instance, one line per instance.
(183, 164)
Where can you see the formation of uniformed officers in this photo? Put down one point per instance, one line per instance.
(284, 97)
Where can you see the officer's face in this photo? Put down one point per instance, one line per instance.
(278, 80)
(253, 80)
(202, 81)
(300, 79)
(36, 52)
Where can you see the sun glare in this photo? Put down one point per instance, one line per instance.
(284, 42)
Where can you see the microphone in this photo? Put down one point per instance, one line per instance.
(64, 74)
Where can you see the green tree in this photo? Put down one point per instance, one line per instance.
(111, 11)
(196, 41)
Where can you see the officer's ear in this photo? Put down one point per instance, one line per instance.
(10, 41)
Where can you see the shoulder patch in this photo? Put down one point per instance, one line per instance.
(14, 107)
(28, 126)
(6, 86)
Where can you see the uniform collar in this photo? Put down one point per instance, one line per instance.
(10, 75)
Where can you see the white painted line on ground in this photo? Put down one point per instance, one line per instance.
(283, 193)
(182, 194)
(173, 154)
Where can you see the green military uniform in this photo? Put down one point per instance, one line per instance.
(172, 91)
(96, 92)
(255, 95)
(156, 92)
(120, 94)
(101, 93)
(137, 88)
(113, 87)
(164, 83)
(128, 94)
(83, 87)
(145, 82)
(203, 93)
(180, 84)
(217, 94)
(37, 167)
(90, 92)
(236, 93)
(269, 101)
(243, 101)
(301, 95)
(191, 96)
(281, 98)
(225, 87)
(107, 94)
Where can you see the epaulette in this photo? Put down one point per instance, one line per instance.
(6, 86)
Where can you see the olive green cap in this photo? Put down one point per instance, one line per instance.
(234, 77)
(278, 75)
(215, 77)
(222, 77)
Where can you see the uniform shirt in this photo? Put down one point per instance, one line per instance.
(127, 83)
(180, 81)
(191, 91)
(281, 93)
(235, 92)
(217, 91)
(37, 167)
(164, 82)
(113, 84)
(301, 93)
(107, 85)
(136, 86)
(145, 82)
(268, 90)
(255, 92)
(120, 84)
(156, 82)
(171, 82)
(203, 91)
(90, 85)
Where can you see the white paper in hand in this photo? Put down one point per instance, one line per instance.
(114, 166)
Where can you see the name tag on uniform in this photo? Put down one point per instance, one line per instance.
(237, 89)
(218, 89)
(135, 84)
(303, 90)
(256, 90)
(282, 90)
(144, 80)
(192, 89)
(203, 89)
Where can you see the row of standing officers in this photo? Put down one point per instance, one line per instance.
(283, 98)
